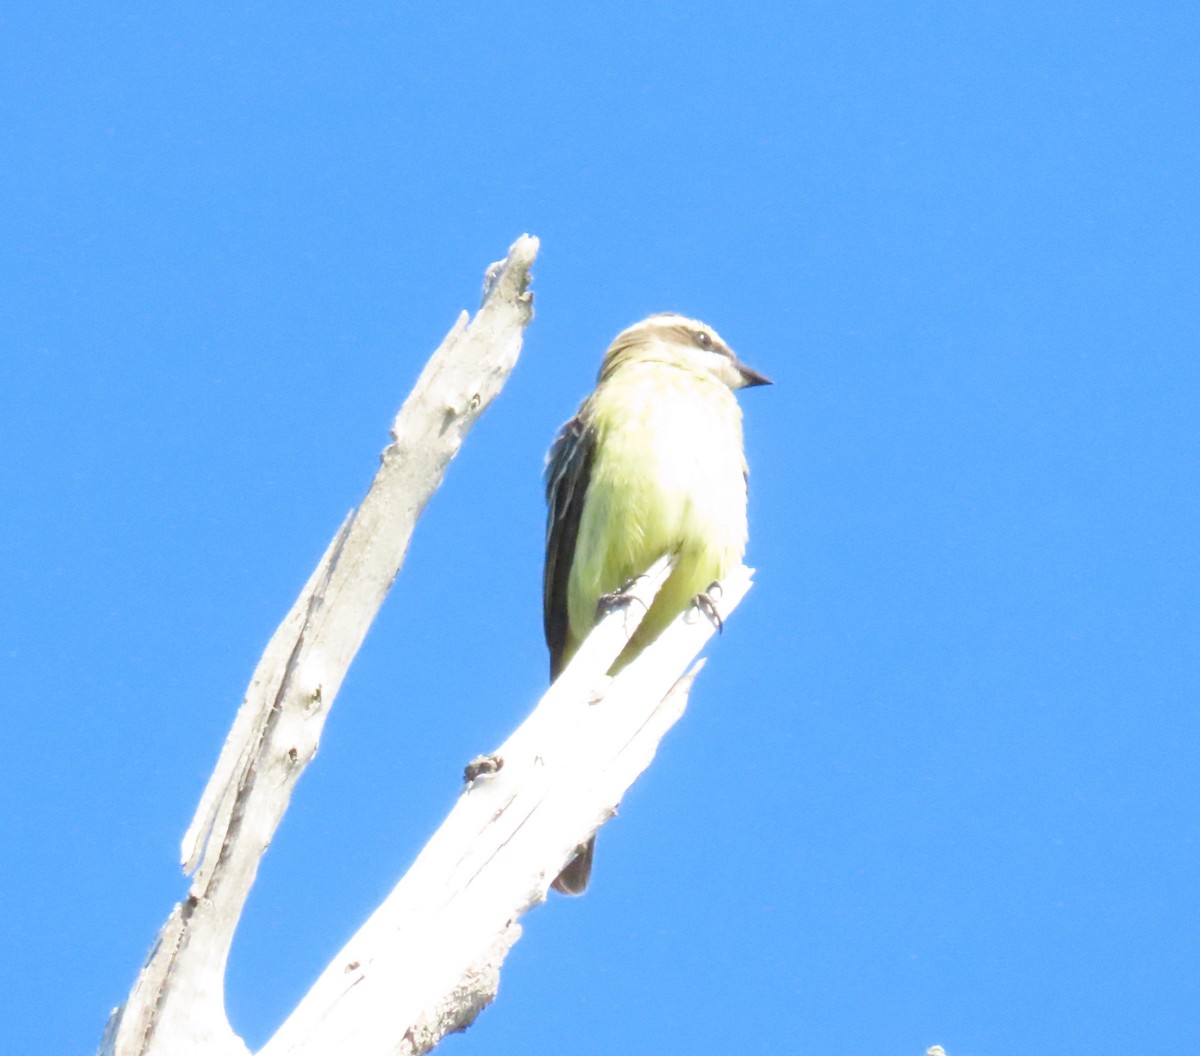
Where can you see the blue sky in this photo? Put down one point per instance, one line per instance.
(938, 782)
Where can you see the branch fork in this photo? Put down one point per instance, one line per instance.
(428, 960)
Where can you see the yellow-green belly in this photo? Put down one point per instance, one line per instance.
(667, 477)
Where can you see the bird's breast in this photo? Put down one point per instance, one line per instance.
(668, 476)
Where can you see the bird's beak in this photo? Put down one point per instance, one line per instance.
(751, 377)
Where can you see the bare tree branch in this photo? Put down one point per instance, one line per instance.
(428, 960)
(179, 994)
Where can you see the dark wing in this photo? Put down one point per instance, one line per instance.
(568, 467)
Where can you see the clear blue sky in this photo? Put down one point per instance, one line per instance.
(938, 782)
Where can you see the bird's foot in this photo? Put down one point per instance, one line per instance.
(706, 602)
(618, 599)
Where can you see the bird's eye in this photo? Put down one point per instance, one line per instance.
(702, 339)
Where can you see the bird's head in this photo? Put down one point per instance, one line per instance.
(683, 342)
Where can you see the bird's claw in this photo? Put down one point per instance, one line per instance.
(706, 602)
(618, 599)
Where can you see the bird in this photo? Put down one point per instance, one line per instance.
(652, 464)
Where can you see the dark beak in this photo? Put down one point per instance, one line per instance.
(751, 377)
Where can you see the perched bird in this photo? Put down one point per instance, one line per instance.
(651, 464)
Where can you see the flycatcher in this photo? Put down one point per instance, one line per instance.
(651, 464)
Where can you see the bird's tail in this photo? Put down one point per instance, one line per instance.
(573, 880)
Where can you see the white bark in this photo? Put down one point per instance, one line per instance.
(179, 994)
(429, 958)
